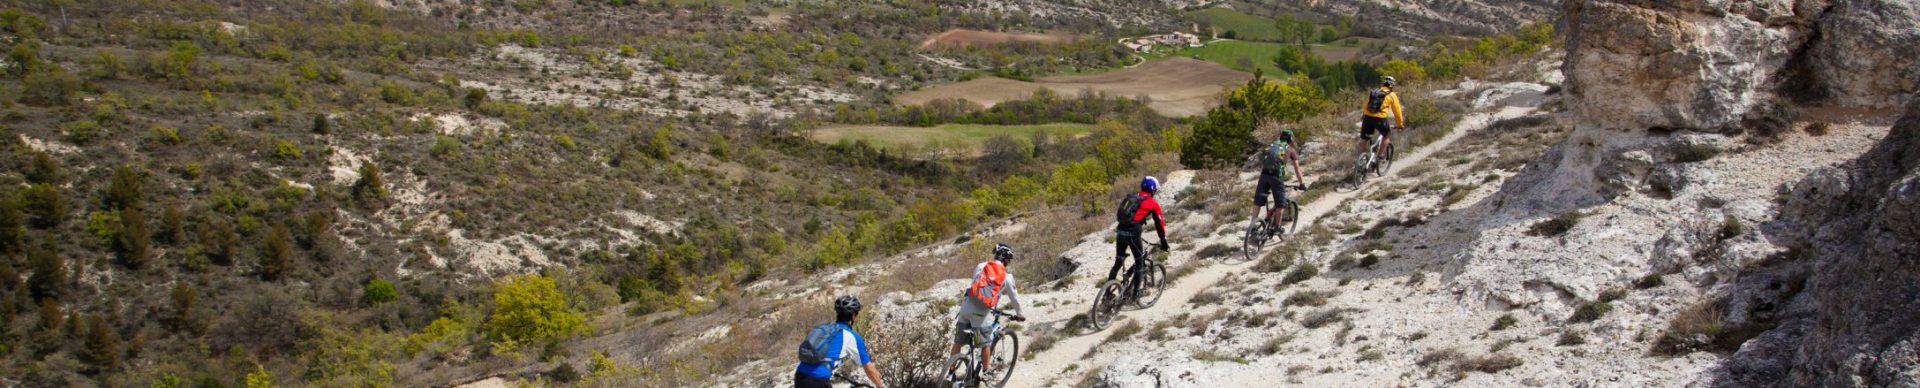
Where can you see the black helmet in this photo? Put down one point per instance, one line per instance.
(847, 304)
(1286, 135)
(1387, 81)
(1002, 252)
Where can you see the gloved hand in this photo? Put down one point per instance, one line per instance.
(1019, 318)
(1165, 247)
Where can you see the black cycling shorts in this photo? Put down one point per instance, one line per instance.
(1269, 186)
(802, 380)
(1370, 124)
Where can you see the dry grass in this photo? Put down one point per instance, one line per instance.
(1326, 317)
(1557, 225)
(1505, 321)
(1307, 298)
(1703, 327)
(1301, 274)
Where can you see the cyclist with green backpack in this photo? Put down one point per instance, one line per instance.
(990, 281)
(830, 344)
(1273, 179)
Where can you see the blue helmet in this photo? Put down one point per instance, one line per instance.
(1150, 185)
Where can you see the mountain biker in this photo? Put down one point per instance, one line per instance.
(834, 343)
(1273, 182)
(1380, 103)
(1133, 216)
(990, 280)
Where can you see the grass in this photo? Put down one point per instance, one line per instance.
(1703, 327)
(1571, 338)
(1650, 281)
(1273, 346)
(1307, 298)
(1488, 364)
(1325, 317)
(1258, 55)
(964, 138)
(1242, 24)
(1590, 311)
(1211, 356)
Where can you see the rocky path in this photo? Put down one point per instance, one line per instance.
(1059, 364)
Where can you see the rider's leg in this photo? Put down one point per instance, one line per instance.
(1138, 245)
(1119, 256)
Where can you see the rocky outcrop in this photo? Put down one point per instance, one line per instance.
(1864, 54)
(1857, 323)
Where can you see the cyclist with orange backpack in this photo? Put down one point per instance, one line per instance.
(990, 281)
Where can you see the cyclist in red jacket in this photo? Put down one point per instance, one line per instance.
(1129, 226)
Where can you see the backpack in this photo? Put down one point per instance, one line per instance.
(986, 287)
(1129, 207)
(1274, 161)
(814, 349)
(1376, 100)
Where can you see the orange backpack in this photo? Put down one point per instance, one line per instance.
(986, 286)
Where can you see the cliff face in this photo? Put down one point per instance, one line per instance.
(1648, 81)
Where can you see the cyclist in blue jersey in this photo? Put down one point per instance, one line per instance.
(830, 345)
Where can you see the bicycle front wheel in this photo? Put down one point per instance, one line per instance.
(1152, 280)
(1293, 217)
(1006, 354)
(1386, 161)
(1255, 239)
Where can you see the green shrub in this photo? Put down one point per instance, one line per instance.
(1650, 281)
(445, 147)
(42, 168)
(370, 187)
(49, 280)
(50, 87)
(530, 308)
(131, 244)
(13, 224)
(83, 132)
(378, 291)
(126, 189)
(1703, 327)
(276, 255)
(166, 135)
(285, 150)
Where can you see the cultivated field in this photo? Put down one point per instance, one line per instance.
(1246, 56)
(961, 139)
(1177, 87)
(960, 37)
(1244, 25)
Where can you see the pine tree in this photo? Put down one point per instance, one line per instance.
(44, 205)
(184, 300)
(173, 226)
(42, 169)
(12, 225)
(124, 189)
(131, 244)
(321, 125)
(370, 187)
(102, 346)
(49, 279)
(276, 254)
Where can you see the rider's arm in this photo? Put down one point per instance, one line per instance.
(866, 359)
(1159, 224)
(1013, 296)
(1393, 101)
(873, 374)
(1294, 160)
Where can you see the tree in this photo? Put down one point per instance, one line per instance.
(102, 346)
(43, 169)
(531, 308)
(49, 281)
(44, 207)
(1226, 134)
(221, 241)
(132, 242)
(321, 125)
(276, 254)
(184, 306)
(124, 190)
(173, 226)
(13, 223)
(370, 188)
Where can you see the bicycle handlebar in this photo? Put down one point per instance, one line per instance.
(850, 381)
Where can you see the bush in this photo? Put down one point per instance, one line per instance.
(1557, 225)
(1307, 298)
(83, 132)
(285, 150)
(50, 87)
(13, 223)
(1301, 274)
(1650, 281)
(1505, 321)
(1703, 327)
(378, 291)
(1488, 364)
(370, 188)
(132, 241)
(530, 308)
(1590, 311)
(49, 281)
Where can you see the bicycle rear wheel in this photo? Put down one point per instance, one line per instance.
(1006, 355)
(1104, 306)
(959, 370)
(1152, 280)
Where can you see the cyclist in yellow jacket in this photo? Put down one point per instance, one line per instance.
(1381, 103)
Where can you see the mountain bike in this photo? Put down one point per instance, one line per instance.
(1375, 160)
(1141, 288)
(965, 369)
(1263, 228)
(843, 378)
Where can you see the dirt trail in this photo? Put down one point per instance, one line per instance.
(1048, 367)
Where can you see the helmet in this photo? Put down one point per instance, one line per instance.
(1287, 135)
(1150, 185)
(1002, 252)
(1387, 81)
(847, 304)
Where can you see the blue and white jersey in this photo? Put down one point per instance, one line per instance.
(850, 345)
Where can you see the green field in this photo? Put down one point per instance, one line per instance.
(1246, 26)
(1257, 55)
(951, 139)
